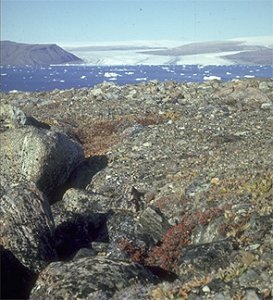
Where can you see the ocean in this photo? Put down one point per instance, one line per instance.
(30, 78)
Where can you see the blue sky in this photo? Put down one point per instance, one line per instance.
(83, 21)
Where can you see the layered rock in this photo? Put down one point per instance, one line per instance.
(27, 225)
(26, 233)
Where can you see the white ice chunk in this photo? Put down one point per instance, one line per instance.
(111, 74)
(211, 77)
(140, 79)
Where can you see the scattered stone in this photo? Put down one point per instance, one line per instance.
(267, 106)
(177, 177)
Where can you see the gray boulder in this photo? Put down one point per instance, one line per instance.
(131, 235)
(13, 117)
(45, 157)
(26, 225)
(87, 278)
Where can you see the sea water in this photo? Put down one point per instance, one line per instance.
(30, 78)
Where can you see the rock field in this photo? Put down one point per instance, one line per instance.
(148, 191)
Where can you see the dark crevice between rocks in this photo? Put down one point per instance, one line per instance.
(17, 281)
(79, 232)
(162, 274)
(80, 177)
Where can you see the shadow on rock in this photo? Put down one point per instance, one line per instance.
(79, 232)
(81, 176)
(16, 280)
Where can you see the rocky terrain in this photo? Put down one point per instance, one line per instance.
(149, 191)
(19, 54)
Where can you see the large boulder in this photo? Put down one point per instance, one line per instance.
(26, 225)
(89, 278)
(45, 157)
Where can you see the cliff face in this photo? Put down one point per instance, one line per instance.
(18, 54)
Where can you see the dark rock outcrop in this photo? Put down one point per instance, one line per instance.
(18, 54)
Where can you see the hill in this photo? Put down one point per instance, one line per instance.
(19, 54)
(245, 50)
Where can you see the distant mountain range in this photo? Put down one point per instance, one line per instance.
(249, 51)
(18, 54)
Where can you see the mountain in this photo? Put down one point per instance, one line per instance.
(249, 50)
(257, 57)
(206, 47)
(18, 54)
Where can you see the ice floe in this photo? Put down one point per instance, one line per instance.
(212, 78)
(111, 74)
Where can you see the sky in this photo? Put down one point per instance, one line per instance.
(83, 21)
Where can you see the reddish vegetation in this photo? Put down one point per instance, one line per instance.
(97, 136)
(137, 255)
(166, 254)
(176, 238)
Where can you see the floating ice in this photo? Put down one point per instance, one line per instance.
(4, 74)
(129, 73)
(62, 80)
(140, 79)
(249, 76)
(211, 78)
(228, 73)
(83, 77)
(111, 74)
